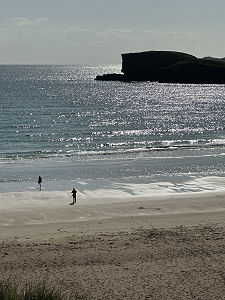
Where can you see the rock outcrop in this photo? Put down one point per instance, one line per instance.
(170, 67)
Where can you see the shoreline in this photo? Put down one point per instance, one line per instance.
(43, 216)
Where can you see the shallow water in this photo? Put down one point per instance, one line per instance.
(57, 122)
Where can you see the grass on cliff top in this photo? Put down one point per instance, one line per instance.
(39, 291)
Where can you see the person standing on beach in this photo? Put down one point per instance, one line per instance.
(39, 181)
(74, 195)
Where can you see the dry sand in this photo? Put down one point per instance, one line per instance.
(167, 248)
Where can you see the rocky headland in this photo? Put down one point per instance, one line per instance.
(169, 67)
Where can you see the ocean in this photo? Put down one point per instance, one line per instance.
(58, 122)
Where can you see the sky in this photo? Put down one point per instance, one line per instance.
(98, 31)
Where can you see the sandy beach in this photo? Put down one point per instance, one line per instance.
(166, 247)
(147, 160)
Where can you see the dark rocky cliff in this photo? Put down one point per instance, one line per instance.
(169, 66)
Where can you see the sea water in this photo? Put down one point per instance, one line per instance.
(61, 124)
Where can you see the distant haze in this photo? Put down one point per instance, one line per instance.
(98, 31)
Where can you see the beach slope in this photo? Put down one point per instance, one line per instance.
(166, 248)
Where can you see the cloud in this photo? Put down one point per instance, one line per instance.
(24, 22)
(39, 40)
(41, 28)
